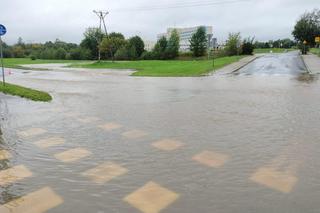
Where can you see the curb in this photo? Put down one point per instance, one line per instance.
(255, 57)
(305, 64)
(242, 66)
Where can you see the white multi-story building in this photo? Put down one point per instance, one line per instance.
(186, 34)
(149, 45)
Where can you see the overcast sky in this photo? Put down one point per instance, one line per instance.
(43, 20)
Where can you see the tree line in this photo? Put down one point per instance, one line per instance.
(115, 46)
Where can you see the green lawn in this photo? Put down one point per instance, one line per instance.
(17, 62)
(24, 92)
(174, 68)
(315, 51)
(274, 50)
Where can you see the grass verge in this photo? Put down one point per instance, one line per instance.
(17, 63)
(156, 68)
(315, 51)
(24, 92)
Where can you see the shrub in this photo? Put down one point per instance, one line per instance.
(32, 57)
(233, 44)
(247, 46)
(60, 53)
(122, 54)
(146, 55)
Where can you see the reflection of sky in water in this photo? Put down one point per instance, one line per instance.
(247, 122)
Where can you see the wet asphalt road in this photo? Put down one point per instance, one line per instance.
(276, 64)
(242, 142)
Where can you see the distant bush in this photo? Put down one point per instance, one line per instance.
(60, 54)
(233, 45)
(147, 55)
(79, 54)
(32, 57)
(247, 46)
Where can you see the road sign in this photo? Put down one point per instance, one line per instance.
(317, 39)
(3, 30)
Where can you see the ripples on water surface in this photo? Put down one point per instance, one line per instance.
(261, 132)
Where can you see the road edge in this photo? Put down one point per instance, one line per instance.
(248, 62)
(236, 66)
(305, 64)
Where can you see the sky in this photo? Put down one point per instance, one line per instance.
(43, 20)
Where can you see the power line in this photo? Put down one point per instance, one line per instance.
(179, 5)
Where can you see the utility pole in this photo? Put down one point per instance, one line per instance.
(101, 15)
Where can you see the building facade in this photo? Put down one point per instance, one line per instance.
(186, 34)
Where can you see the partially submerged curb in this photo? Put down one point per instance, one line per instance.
(236, 66)
(255, 57)
(303, 57)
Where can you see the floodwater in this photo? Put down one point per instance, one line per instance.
(111, 143)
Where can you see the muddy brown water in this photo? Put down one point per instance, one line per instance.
(260, 127)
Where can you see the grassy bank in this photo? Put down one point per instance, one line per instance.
(18, 62)
(175, 68)
(274, 50)
(315, 51)
(24, 92)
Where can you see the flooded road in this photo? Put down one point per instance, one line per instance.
(242, 142)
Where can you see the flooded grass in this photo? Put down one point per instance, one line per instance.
(24, 92)
(18, 62)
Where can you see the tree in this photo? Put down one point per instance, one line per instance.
(91, 41)
(116, 35)
(233, 44)
(60, 53)
(79, 54)
(110, 45)
(159, 50)
(20, 42)
(247, 46)
(198, 42)
(126, 53)
(137, 44)
(173, 46)
(18, 52)
(307, 27)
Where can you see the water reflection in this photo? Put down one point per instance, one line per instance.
(7, 194)
(245, 127)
